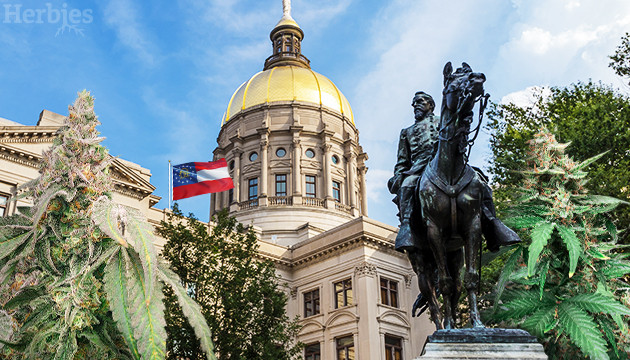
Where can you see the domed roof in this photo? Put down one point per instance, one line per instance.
(288, 83)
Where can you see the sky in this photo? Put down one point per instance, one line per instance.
(162, 72)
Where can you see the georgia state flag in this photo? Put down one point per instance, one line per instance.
(197, 178)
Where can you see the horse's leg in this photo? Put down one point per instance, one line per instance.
(445, 283)
(455, 264)
(425, 284)
(473, 243)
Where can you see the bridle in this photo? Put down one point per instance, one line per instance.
(463, 98)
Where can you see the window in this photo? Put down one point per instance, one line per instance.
(232, 165)
(311, 303)
(253, 188)
(281, 185)
(253, 156)
(310, 153)
(281, 152)
(310, 186)
(345, 348)
(230, 196)
(312, 352)
(393, 348)
(389, 292)
(343, 293)
(4, 200)
(335, 159)
(336, 190)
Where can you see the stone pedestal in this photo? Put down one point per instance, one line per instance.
(482, 344)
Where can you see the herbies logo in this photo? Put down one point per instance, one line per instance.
(68, 19)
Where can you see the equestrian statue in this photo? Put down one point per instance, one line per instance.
(445, 205)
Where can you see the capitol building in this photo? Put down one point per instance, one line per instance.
(292, 147)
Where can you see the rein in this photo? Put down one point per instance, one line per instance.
(483, 102)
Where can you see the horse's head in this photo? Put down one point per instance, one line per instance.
(462, 88)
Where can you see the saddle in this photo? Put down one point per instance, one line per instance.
(455, 242)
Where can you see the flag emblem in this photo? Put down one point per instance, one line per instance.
(197, 178)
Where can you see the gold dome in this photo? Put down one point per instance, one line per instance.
(288, 83)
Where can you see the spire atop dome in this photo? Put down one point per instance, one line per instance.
(286, 9)
(286, 38)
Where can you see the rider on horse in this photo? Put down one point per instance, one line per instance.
(416, 147)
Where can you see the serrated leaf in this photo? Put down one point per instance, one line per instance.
(595, 254)
(7, 246)
(599, 303)
(601, 209)
(107, 216)
(573, 245)
(142, 239)
(148, 315)
(116, 285)
(582, 330)
(508, 268)
(540, 236)
(541, 322)
(589, 161)
(25, 296)
(610, 335)
(523, 222)
(524, 305)
(599, 200)
(543, 277)
(616, 269)
(191, 310)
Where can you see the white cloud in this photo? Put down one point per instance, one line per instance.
(526, 97)
(121, 15)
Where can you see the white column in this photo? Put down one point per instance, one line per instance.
(350, 171)
(330, 202)
(297, 173)
(363, 191)
(264, 171)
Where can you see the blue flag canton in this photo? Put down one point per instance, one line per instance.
(184, 174)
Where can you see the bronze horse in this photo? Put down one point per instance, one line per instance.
(450, 195)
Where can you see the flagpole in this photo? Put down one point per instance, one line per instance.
(170, 184)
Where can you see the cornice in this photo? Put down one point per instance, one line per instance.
(19, 156)
(335, 249)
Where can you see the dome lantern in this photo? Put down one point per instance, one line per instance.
(286, 39)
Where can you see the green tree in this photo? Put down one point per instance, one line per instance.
(620, 61)
(78, 273)
(593, 117)
(565, 284)
(239, 293)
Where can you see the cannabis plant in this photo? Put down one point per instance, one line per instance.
(565, 283)
(79, 275)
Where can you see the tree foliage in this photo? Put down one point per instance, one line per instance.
(620, 61)
(239, 293)
(565, 284)
(78, 273)
(592, 117)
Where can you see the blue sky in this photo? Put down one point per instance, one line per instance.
(162, 72)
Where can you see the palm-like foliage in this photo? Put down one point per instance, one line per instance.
(565, 283)
(78, 273)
